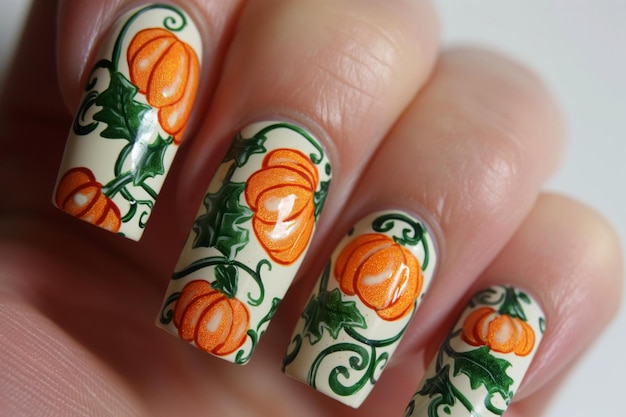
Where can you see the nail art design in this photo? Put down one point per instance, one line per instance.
(483, 360)
(248, 240)
(361, 306)
(134, 111)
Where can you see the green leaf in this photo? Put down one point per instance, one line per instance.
(319, 197)
(149, 161)
(221, 226)
(524, 297)
(241, 149)
(328, 311)
(121, 113)
(439, 385)
(482, 368)
(226, 279)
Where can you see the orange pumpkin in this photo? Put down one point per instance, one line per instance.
(166, 70)
(217, 324)
(384, 274)
(281, 196)
(500, 332)
(80, 195)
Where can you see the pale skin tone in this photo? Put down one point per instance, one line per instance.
(463, 138)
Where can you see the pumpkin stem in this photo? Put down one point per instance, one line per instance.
(511, 305)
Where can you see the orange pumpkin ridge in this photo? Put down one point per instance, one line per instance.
(385, 275)
(144, 51)
(407, 294)
(193, 290)
(194, 312)
(80, 195)
(347, 256)
(174, 117)
(280, 194)
(530, 340)
(214, 322)
(500, 332)
(167, 71)
(469, 325)
(295, 159)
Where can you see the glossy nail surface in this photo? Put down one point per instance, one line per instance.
(248, 240)
(361, 306)
(483, 360)
(135, 108)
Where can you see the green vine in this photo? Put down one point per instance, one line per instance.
(242, 357)
(124, 117)
(255, 274)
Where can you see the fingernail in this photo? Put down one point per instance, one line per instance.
(483, 360)
(361, 306)
(134, 111)
(248, 240)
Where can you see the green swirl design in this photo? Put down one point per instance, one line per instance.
(316, 158)
(255, 274)
(167, 312)
(242, 357)
(487, 297)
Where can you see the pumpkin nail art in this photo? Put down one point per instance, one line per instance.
(249, 238)
(135, 108)
(361, 306)
(484, 358)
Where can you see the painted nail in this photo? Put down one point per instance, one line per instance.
(134, 111)
(361, 306)
(483, 360)
(248, 240)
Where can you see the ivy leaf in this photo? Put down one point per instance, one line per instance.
(121, 113)
(226, 279)
(328, 311)
(149, 162)
(439, 385)
(482, 368)
(241, 149)
(319, 197)
(524, 297)
(221, 226)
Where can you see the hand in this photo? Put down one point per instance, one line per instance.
(461, 139)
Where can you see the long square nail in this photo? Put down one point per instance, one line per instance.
(483, 360)
(248, 240)
(361, 306)
(134, 112)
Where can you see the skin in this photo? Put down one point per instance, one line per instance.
(471, 135)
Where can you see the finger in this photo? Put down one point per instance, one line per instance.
(568, 258)
(320, 101)
(64, 377)
(464, 165)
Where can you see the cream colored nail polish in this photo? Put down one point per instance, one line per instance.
(361, 306)
(134, 112)
(483, 360)
(249, 238)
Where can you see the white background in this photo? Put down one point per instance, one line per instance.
(579, 48)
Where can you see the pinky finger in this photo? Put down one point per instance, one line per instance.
(563, 266)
